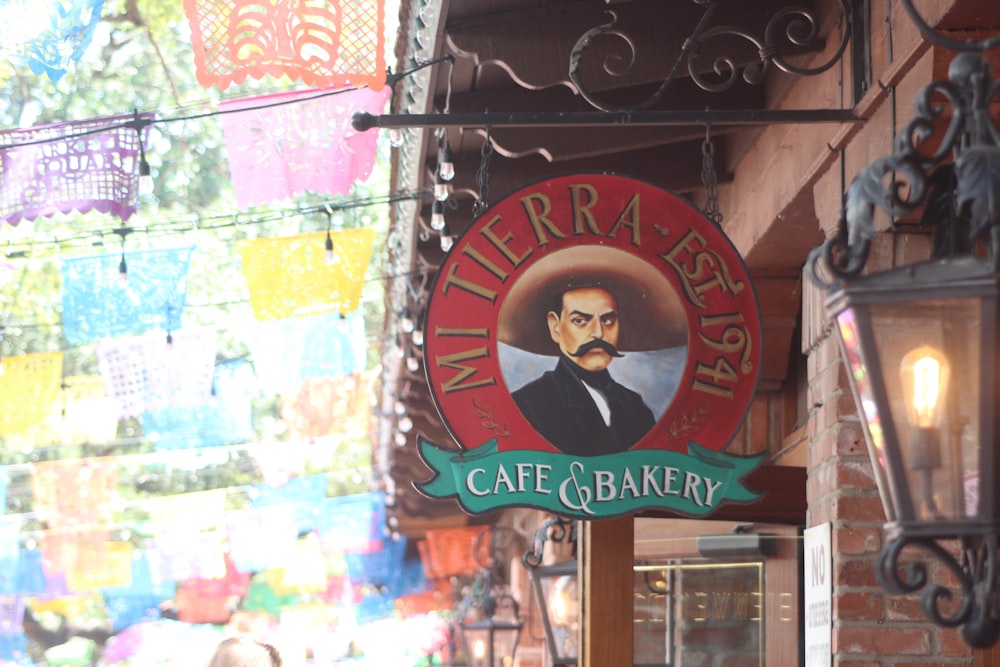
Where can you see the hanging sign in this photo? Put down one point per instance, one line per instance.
(593, 343)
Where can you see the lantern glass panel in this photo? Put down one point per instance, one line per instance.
(861, 386)
(930, 355)
(559, 599)
(490, 644)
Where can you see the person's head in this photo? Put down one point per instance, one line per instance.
(585, 326)
(244, 652)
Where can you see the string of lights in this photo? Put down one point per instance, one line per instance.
(138, 122)
(195, 223)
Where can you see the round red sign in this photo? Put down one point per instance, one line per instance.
(592, 314)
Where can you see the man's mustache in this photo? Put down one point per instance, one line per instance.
(596, 344)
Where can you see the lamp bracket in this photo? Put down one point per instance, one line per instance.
(971, 603)
(954, 176)
(790, 29)
(557, 529)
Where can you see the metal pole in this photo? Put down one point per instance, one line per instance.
(362, 120)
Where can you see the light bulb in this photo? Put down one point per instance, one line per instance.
(405, 424)
(437, 216)
(406, 324)
(924, 373)
(329, 254)
(479, 649)
(412, 364)
(446, 168)
(399, 407)
(446, 242)
(442, 191)
(146, 184)
(122, 273)
(395, 137)
(417, 337)
(400, 440)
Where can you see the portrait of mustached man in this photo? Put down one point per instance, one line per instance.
(588, 306)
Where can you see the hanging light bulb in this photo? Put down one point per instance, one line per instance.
(406, 322)
(329, 254)
(400, 439)
(399, 407)
(146, 184)
(446, 168)
(405, 424)
(442, 190)
(395, 137)
(122, 272)
(145, 176)
(417, 337)
(437, 216)
(412, 364)
(123, 233)
(447, 241)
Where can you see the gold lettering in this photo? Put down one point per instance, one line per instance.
(733, 338)
(458, 381)
(785, 607)
(629, 217)
(539, 219)
(756, 605)
(720, 605)
(721, 371)
(740, 608)
(501, 244)
(581, 211)
(485, 262)
(702, 270)
(467, 285)
(701, 607)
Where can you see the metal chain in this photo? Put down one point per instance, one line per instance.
(483, 177)
(710, 180)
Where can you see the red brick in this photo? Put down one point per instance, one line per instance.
(856, 572)
(856, 540)
(856, 472)
(866, 508)
(951, 643)
(851, 440)
(882, 640)
(904, 608)
(858, 607)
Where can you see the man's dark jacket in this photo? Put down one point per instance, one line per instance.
(564, 413)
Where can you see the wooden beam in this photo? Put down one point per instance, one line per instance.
(606, 572)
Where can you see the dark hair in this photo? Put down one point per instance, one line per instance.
(273, 652)
(557, 298)
(228, 649)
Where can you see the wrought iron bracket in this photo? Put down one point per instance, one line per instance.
(792, 26)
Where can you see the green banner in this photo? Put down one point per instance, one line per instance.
(484, 479)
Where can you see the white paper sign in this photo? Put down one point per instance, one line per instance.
(818, 595)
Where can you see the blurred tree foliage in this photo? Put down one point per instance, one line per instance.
(140, 60)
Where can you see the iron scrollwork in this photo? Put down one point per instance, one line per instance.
(970, 604)
(796, 25)
(557, 530)
(956, 179)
